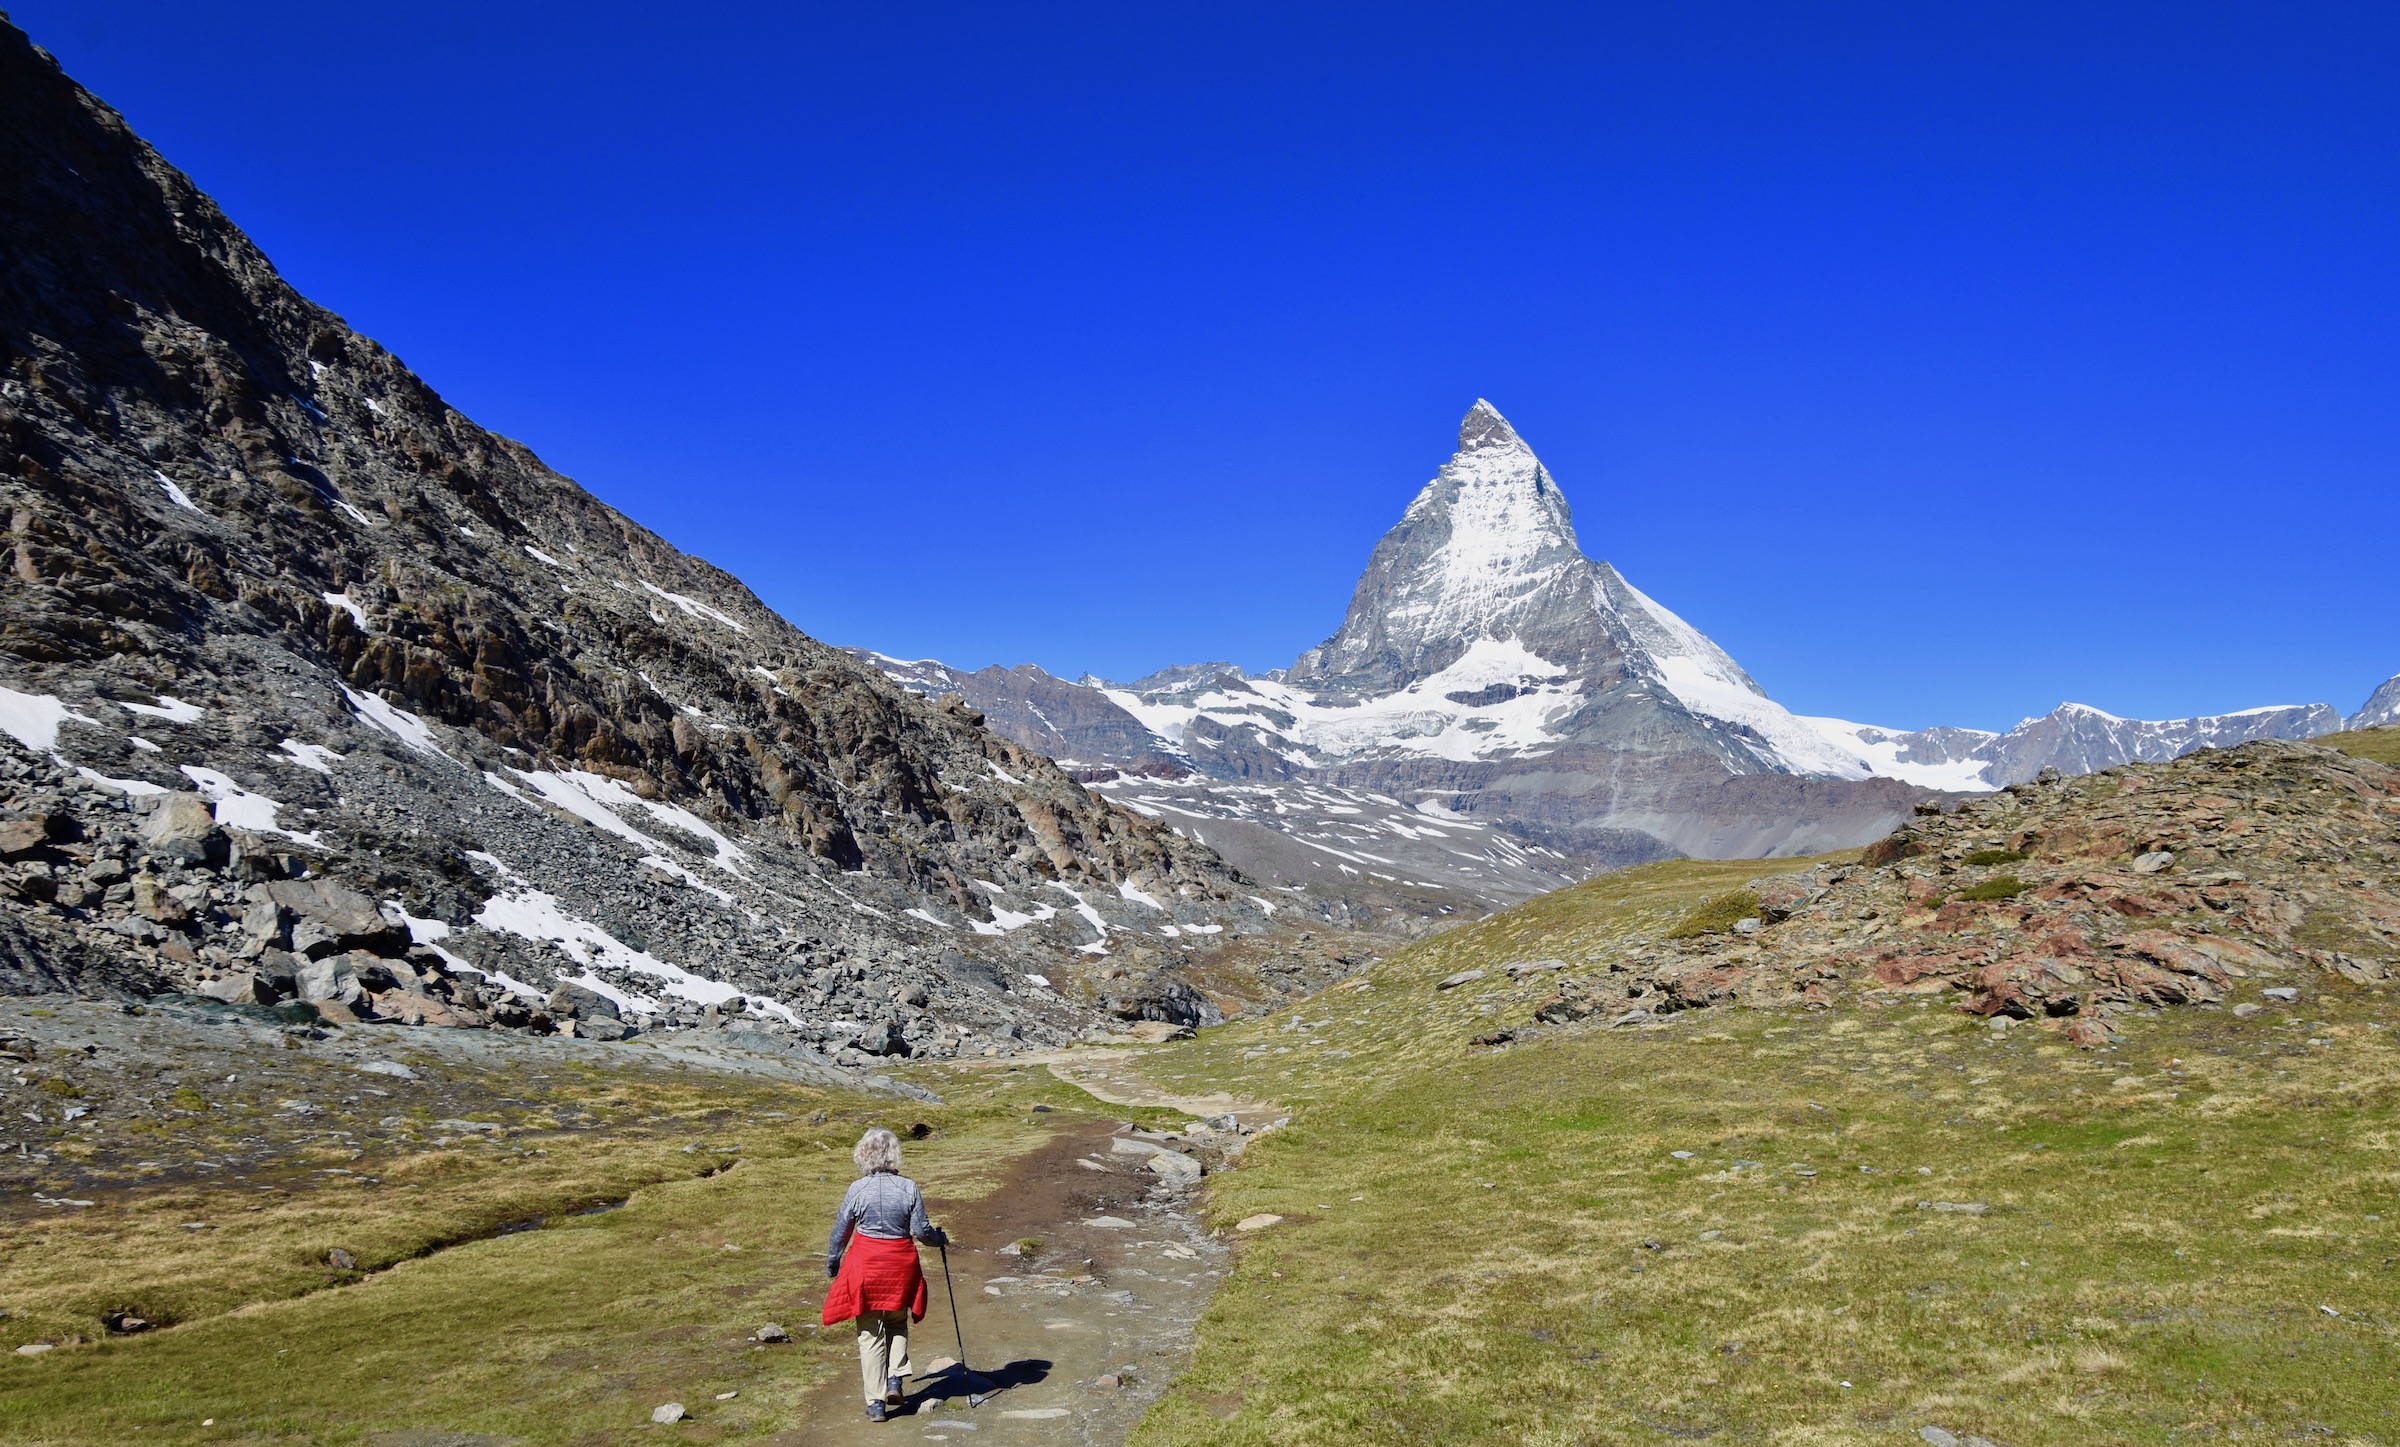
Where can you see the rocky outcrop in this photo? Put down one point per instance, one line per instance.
(2382, 708)
(2229, 877)
(308, 667)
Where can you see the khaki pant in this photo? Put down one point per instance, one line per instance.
(882, 1349)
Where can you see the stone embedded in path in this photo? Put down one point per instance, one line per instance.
(1258, 1223)
(1110, 1223)
(1174, 1165)
(1035, 1414)
(1156, 1032)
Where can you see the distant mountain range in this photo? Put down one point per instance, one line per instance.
(1530, 706)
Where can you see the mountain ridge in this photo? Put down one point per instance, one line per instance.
(275, 615)
(1480, 638)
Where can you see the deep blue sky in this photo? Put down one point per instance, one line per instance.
(1942, 362)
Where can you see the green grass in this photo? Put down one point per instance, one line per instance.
(1716, 916)
(1999, 886)
(2382, 745)
(1500, 1245)
(1983, 857)
(570, 1332)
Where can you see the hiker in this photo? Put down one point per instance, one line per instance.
(876, 1279)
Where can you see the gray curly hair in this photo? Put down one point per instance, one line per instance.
(877, 1150)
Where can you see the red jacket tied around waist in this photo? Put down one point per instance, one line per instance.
(876, 1275)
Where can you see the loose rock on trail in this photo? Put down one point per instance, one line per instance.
(1073, 1338)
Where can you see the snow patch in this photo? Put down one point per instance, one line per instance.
(312, 756)
(407, 727)
(238, 808)
(168, 707)
(1126, 889)
(541, 557)
(693, 606)
(176, 495)
(33, 719)
(533, 915)
(342, 601)
(355, 515)
(122, 786)
(674, 870)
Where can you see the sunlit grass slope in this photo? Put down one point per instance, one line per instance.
(2382, 745)
(1890, 1217)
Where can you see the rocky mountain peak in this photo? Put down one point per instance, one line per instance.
(1485, 552)
(1485, 427)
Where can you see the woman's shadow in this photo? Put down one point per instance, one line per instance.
(978, 1386)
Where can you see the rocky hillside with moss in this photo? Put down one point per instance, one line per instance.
(320, 693)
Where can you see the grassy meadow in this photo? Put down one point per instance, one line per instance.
(1889, 1217)
(569, 1327)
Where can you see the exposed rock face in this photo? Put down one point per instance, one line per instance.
(1078, 726)
(2382, 707)
(292, 644)
(2226, 877)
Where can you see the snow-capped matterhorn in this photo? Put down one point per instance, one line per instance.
(1492, 676)
(1482, 598)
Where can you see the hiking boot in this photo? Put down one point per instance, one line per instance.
(875, 1412)
(892, 1395)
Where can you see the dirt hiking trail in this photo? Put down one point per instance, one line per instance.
(1080, 1281)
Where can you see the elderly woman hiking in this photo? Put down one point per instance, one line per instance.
(876, 1279)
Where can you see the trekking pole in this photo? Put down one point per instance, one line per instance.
(957, 1335)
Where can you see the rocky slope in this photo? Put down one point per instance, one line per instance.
(322, 692)
(2381, 709)
(2228, 877)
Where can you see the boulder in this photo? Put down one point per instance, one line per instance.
(1156, 1032)
(880, 1039)
(152, 902)
(240, 987)
(1463, 977)
(265, 922)
(20, 837)
(332, 980)
(1174, 1165)
(580, 1002)
(1158, 996)
(333, 918)
(182, 827)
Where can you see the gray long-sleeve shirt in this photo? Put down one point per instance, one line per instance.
(885, 1205)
